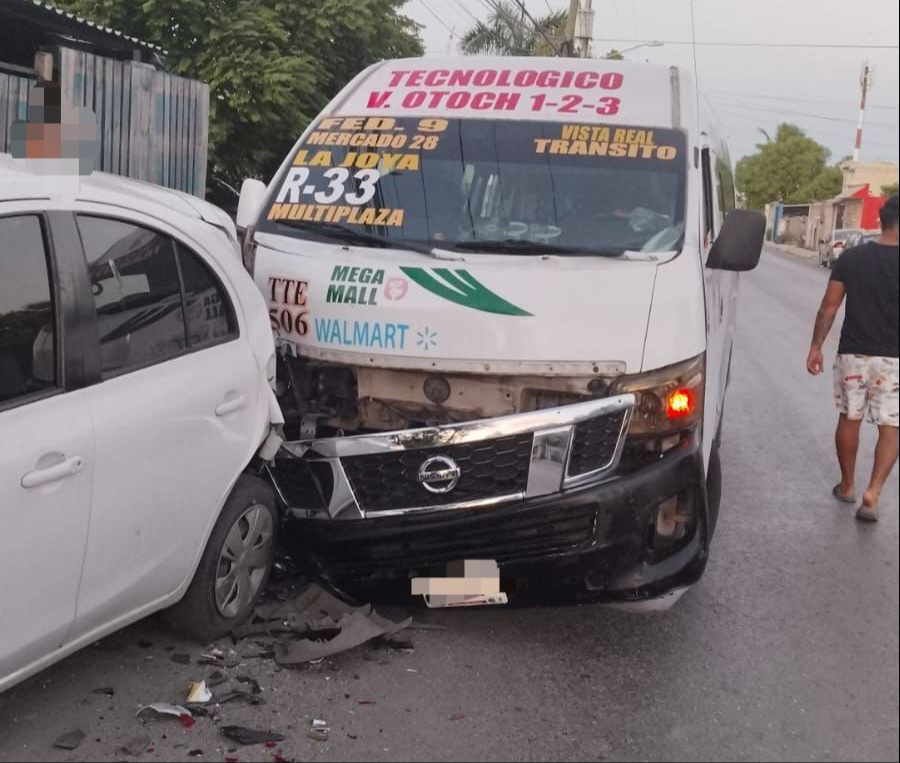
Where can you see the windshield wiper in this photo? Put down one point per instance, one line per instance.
(348, 235)
(515, 246)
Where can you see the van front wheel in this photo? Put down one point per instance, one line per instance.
(235, 566)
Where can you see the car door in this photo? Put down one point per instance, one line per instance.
(174, 412)
(46, 449)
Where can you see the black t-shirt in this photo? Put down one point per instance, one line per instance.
(871, 275)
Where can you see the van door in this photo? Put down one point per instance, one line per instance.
(46, 454)
(721, 292)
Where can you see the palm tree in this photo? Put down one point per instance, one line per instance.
(509, 32)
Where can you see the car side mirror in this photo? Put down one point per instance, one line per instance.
(738, 246)
(253, 193)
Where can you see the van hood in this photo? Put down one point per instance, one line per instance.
(478, 313)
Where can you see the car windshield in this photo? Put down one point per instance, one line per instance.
(490, 186)
(843, 234)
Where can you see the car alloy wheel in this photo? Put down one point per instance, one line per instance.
(244, 560)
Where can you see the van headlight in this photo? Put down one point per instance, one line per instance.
(668, 400)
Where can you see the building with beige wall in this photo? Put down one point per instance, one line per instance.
(872, 174)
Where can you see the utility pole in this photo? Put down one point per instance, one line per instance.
(568, 45)
(584, 29)
(865, 82)
(450, 41)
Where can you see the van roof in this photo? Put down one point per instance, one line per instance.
(542, 89)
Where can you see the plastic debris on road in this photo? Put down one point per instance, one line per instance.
(319, 731)
(199, 694)
(217, 678)
(70, 740)
(247, 737)
(322, 625)
(165, 709)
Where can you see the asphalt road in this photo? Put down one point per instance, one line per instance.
(788, 648)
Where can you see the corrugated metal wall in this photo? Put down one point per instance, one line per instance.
(153, 126)
(13, 104)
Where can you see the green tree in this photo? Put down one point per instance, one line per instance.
(615, 55)
(271, 65)
(792, 168)
(889, 190)
(826, 185)
(509, 32)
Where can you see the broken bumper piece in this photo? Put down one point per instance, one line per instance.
(537, 493)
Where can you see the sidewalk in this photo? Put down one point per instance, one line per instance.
(794, 251)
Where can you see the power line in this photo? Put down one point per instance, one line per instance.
(467, 11)
(749, 107)
(439, 19)
(750, 44)
(537, 27)
(800, 100)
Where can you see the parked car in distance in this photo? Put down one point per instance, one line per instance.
(862, 237)
(136, 371)
(830, 250)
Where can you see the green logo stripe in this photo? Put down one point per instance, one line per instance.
(462, 288)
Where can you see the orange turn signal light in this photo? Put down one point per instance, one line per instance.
(680, 404)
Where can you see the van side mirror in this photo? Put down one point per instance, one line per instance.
(253, 193)
(738, 246)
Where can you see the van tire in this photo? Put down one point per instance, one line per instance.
(714, 489)
(198, 615)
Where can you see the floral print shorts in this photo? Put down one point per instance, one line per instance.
(865, 385)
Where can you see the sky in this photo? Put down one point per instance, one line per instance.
(751, 86)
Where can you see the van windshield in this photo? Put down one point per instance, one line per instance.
(493, 186)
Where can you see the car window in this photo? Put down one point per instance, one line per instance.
(137, 294)
(210, 316)
(27, 324)
(155, 298)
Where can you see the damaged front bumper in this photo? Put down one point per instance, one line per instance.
(539, 493)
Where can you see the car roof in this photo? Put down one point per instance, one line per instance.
(25, 180)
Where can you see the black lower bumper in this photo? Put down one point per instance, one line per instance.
(597, 543)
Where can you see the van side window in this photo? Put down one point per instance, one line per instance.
(725, 178)
(27, 317)
(709, 230)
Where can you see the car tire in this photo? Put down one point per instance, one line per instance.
(714, 489)
(235, 566)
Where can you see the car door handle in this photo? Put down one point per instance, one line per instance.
(231, 405)
(53, 473)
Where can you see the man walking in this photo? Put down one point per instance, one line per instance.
(867, 368)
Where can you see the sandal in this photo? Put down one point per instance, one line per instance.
(836, 492)
(866, 514)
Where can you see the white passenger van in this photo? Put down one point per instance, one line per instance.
(505, 294)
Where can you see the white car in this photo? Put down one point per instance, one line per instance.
(136, 409)
(830, 250)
